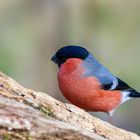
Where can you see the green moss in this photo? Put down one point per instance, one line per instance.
(17, 135)
(47, 111)
(7, 137)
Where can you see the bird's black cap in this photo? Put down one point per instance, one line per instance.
(69, 52)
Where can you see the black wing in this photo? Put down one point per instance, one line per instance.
(120, 86)
(123, 86)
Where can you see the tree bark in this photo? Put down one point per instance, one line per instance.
(27, 114)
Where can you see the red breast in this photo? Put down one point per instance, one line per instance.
(85, 92)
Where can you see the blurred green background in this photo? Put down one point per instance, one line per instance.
(32, 30)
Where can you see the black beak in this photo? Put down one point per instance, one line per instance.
(54, 59)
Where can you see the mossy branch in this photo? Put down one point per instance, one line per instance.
(31, 115)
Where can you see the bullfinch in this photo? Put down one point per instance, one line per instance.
(88, 84)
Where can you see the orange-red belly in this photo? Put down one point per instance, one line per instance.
(85, 92)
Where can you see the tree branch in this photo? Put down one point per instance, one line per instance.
(25, 114)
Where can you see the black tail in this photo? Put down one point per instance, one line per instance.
(134, 93)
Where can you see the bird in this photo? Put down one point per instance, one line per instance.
(88, 84)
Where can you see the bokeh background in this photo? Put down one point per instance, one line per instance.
(32, 30)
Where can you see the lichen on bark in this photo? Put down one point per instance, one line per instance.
(29, 115)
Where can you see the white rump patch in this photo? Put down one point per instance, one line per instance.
(125, 96)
